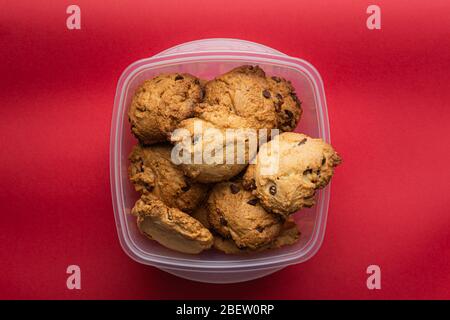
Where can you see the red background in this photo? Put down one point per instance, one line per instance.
(388, 94)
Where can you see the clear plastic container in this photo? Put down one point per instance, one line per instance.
(207, 59)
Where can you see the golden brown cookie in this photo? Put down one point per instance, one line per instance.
(152, 172)
(287, 104)
(288, 171)
(202, 151)
(220, 117)
(159, 105)
(171, 227)
(289, 235)
(235, 213)
(245, 93)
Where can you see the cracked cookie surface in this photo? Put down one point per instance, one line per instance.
(288, 171)
(209, 145)
(159, 104)
(171, 227)
(244, 92)
(153, 173)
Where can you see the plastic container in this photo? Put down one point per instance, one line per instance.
(207, 59)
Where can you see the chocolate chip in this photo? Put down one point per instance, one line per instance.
(196, 81)
(279, 96)
(178, 77)
(324, 160)
(289, 114)
(234, 188)
(252, 202)
(302, 142)
(293, 95)
(186, 188)
(276, 79)
(202, 94)
(307, 171)
(253, 184)
(223, 221)
(148, 187)
(273, 190)
(260, 229)
(287, 124)
(266, 94)
(240, 246)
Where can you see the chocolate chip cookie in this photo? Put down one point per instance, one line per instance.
(171, 227)
(159, 104)
(246, 93)
(288, 171)
(235, 213)
(287, 104)
(208, 154)
(153, 173)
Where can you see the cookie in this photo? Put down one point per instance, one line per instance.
(246, 93)
(287, 104)
(153, 173)
(220, 117)
(207, 154)
(159, 105)
(171, 227)
(235, 213)
(288, 171)
(288, 236)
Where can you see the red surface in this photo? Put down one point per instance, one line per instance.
(387, 92)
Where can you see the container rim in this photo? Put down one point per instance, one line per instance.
(209, 45)
(175, 263)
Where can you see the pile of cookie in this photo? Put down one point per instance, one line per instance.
(237, 207)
